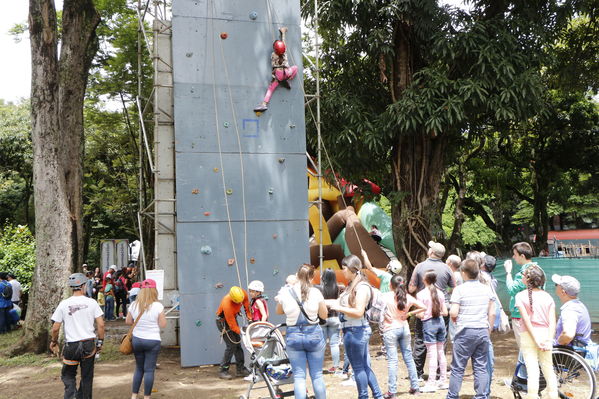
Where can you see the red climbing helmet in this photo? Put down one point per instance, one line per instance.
(279, 47)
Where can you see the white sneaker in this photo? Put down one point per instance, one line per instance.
(507, 382)
(442, 385)
(350, 382)
(428, 388)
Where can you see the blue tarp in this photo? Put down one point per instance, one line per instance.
(585, 270)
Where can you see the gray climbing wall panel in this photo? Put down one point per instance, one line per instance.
(217, 83)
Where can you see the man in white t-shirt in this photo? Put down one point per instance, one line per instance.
(16, 289)
(78, 314)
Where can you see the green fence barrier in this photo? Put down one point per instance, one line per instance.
(585, 270)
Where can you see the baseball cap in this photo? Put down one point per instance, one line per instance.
(438, 248)
(570, 285)
(113, 267)
(148, 283)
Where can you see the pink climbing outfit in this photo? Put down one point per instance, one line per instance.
(282, 73)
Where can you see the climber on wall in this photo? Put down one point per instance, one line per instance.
(281, 71)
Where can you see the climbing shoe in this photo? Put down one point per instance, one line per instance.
(261, 108)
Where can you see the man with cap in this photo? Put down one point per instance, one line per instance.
(226, 322)
(110, 272)
(445, 280)
(574, 323)
(78, 314)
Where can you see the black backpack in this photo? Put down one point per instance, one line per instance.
(7, 291)
(118, 287)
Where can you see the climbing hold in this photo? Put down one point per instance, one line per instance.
(281, 160)
(195, 191)
(224, 35)
(231, 261)
(206, 213)
(219, 285)
(271, 191)
(275, 272)
(291, 125)
(226, 124)
(198, 323)
(274, 236)
(206, 250)
(188, 55)
(253, 15)
(258, 113)
(215, 170)
(229, 191)
(252, 261)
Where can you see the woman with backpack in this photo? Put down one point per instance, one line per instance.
(356, 329)
(434, 332)
(396, 332)
(121, 292)
(303, 306)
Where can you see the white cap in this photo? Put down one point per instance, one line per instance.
(570, 285)
(256, 285)
(394, 266)
(113, 267)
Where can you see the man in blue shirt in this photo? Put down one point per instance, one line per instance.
(574, 323)
(5, 303)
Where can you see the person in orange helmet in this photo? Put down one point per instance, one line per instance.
(226, 322)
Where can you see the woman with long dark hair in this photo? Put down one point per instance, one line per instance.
(435, 334)
(302, 305)
(396, 332)
(356, 329)
(330, 290)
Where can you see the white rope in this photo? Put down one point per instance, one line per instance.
(220, 153)
(269, 20)
(245, 234)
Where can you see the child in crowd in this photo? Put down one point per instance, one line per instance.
(109, 299)
(258, 303)
(435, 334)
(537, 309)
(396, 331)
(473, 310)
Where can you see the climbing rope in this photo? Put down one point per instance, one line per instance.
(226, 68)
(220, 153)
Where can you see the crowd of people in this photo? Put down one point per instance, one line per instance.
(452, 300)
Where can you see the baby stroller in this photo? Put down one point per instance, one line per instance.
(268, 361)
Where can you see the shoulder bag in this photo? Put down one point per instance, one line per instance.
(126, 346)
(321, 321)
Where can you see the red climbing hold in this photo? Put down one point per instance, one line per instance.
(224, 35)
(206, 213)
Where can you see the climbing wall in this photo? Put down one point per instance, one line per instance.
(240, 178)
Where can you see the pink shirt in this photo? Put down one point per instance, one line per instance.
(395, 318)
(540, 313)
(424, 296)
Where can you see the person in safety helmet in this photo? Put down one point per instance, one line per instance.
(258, 301)
(226, 322)
(78, 315)
(282, 73)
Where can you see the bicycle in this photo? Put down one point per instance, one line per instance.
(575, 377)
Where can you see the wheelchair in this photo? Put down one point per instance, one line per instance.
(575, 377)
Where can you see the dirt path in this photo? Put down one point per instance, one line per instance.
(113, 379)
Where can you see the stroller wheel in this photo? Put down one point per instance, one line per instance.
(242, 397)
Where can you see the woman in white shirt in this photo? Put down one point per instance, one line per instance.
(305, 339)
(146, 335)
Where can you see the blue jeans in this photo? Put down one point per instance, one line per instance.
(4, 320)
(434, 330)
(391, 339)
(470, 343)
(490, 366)
(109, 315)
(331, 332)
(305, 344)
(356, 340)
(146, 353)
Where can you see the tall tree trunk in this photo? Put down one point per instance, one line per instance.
(417, 169)
(458, 213)
(540, 214)
(57, 90)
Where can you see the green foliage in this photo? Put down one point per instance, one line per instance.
(17, 253)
